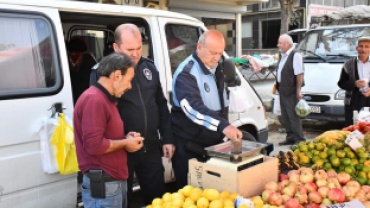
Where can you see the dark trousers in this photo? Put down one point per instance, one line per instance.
(348, 115)
(149, 170)
(291, 121)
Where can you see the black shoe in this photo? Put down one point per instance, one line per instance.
(286, 142)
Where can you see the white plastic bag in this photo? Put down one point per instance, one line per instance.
(364, 115)
(302, 108)
(277, 109)
(47, 150)
(239, 101)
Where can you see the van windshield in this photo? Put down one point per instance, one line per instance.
(337, 44)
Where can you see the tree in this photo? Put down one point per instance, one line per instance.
(287, 8)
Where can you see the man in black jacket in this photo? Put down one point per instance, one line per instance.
(144, 109)
(355, 80)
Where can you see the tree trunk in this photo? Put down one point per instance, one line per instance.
(287, 8)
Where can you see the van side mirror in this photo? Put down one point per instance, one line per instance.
(231, 79)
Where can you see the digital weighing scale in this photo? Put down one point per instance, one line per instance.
(221, 155)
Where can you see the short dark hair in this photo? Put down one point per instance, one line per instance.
(114, 62)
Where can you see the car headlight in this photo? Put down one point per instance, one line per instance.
(340, 95)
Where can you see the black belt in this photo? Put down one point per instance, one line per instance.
(106, 178)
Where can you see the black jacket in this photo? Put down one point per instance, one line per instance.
(144, 108)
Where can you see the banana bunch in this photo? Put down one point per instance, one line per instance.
(287, 161)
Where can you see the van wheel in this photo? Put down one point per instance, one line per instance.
(249, 137)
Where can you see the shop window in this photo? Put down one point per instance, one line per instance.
(28, 57)
(272, 4)
(181, 42)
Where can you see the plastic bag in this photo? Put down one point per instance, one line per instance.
(47, 150)
(277, 109)
(63, 139)
(302, 108)
(239, 102)
(364, 115)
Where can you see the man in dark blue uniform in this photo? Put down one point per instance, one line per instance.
(199, 112)
(144, 109)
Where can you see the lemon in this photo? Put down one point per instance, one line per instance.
(216, 204)
(177, 196)
(212, 194)
(157, 206)
(168, 205)
(166, 197)
(149, 206)
(195, 194)
(192, 206)
(157, 201)
(225, 194)
(187, 190)
(228, 203)
(202, 202)
(243, 206)
(233, 196)
(177, 203)
(188, 203)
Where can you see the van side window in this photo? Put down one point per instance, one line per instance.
(181, 42)
(27, 57)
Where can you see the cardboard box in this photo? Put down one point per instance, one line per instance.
(247, 183)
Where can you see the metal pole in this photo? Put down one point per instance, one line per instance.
(238, 35)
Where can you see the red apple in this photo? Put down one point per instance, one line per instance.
(321, 174)
(271, 186)
(290, 191)
(302, 189)
(331, 174)
(285, 198)
(353, 184)
(294, 178)
(292, 203)
(323, 191)
(301, 198)
(326, 202)
(266, 194)
(283, 177)
(310, 186)
(333, 183)
(306, 170)
(343, 178)
(294, 185)
(294, 172)
(366, 189)
(321, 182)
(337, 195)
(310, 205)
(275, 199)
(306, 177)
(315, 197)
(366, 204)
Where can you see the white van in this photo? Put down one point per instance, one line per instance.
(325, 49)
(35, 75)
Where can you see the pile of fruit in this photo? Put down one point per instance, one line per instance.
(360, 126)
(339, 157)
(333, 136)
(190, 197)
(309, 189)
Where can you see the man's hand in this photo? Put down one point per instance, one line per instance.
(168, 150)
(133, 134)
(361, 83)
(299, 96)
(231, 132)
(367, 92)
(134, 144)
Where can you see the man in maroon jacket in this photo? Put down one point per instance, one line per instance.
(99, 133)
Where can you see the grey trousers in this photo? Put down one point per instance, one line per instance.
(291, 120)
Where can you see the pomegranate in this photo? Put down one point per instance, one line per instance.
(302, 189)
(294, 185)
(326, 202)
(271, 186)
(310, 186)
(323, 191)
(266, 194)
(366, 204)
(353, 184)
(292, 203)
(283, 177)
(285, 198)
(321, 182)
(275, 199)
(343, 178)
(306, 177)
(290, 191)
(333, 183)
(294, 172)
(301, 198)
(315, 197)
(331, 174)
(337, 195)
(321, 174)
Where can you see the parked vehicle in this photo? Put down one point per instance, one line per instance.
(35, 74)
